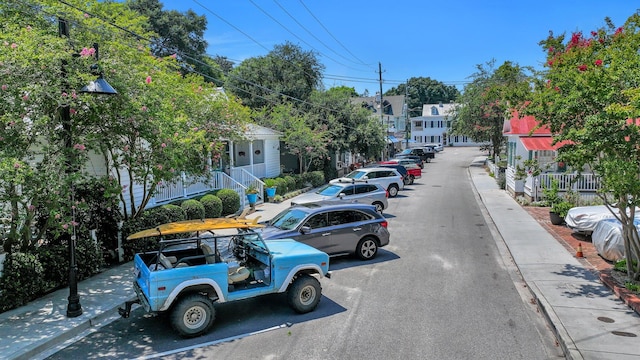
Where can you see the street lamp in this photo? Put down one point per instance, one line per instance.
(99, 86)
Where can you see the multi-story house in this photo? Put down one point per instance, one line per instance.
(434, 125)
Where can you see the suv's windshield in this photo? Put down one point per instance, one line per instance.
(329, 190)
(288, 219)
(355, 174)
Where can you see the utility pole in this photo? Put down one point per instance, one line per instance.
(406, 114)
(384, 151)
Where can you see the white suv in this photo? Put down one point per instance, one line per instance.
(388, 178)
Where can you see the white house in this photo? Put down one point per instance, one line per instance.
(527, 140)
(434, 125)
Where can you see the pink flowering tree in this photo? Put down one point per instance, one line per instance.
(488, 100)
(160, 124)
(589, 95)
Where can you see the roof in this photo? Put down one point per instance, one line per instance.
(541, 143)
(526, 125)
(394, 102)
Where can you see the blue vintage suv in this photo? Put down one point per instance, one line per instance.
(221, 260)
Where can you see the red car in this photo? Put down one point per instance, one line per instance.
(413, 171)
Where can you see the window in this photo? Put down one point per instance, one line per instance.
(363, 189)
(434, 110)
(346, 217)
(317, 221)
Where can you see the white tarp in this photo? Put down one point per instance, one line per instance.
(607, 239)
(585, 218)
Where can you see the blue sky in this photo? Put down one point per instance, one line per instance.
(443, 40)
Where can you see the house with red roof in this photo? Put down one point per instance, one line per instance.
(528, 140)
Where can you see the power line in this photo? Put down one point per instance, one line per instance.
(330, 34)
(309, 32)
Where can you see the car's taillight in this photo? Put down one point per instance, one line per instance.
(384, 224)
(386, 194)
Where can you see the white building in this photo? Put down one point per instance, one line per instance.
(434, 125)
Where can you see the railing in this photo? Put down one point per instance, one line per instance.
(584, 184)
(246, 179)
(185, 188)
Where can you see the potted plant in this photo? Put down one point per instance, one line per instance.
(270, 187)
(559, 206)
(252, 194)
(559, 211)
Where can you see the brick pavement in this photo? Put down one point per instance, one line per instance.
(592, 260)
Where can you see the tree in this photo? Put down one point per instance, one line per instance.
(589, 97)
(303, 138)
(488, 100)
(179, 33)
(422, 91)
(287, 73)
(160, 124)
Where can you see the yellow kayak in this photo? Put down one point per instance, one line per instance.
(187, 226)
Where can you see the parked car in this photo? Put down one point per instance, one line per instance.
(339, 229)
(413, 171)
(390, 179)
(583, 219)
(184, 278)
(425, 153)
(400, 168)
(370, 194)
(411, 158)
(436, 146)
(607, 239)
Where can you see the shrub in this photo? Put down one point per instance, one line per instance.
(102, 212)
(148, 219)
(21, 281)
(300, 182)
(212, 206)
(291, 183)
(193, 209)
(316, 178)
(230, 201)
(281, 186)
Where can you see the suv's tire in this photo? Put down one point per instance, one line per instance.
(304, 293)
(407, 180)
(393, 190)
(367, 248)
(379, 207)
(411, 179)
(193, 315)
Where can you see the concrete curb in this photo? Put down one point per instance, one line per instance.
(564, 340)
(623, 293)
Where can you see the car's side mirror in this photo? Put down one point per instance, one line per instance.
(341, 195)
(305, 230)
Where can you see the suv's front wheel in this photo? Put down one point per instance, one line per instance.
(304, 293)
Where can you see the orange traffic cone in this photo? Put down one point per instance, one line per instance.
(579, 252)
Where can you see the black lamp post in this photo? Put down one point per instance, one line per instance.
(99, 86)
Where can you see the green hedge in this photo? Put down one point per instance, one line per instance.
(22, 280)
(212, 206)
(230, 201)
(193, 209)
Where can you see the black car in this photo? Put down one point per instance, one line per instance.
(425, 153)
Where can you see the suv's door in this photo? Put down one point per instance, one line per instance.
(316, 233)
(347, 228)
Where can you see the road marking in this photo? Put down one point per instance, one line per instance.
(231, 338)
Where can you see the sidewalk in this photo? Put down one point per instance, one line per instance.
(35, 330)
(590, 322)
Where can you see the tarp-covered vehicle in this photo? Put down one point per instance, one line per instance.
(221, 260)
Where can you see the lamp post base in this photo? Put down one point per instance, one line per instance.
(74, 309)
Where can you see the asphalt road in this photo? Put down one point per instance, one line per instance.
(442, 289)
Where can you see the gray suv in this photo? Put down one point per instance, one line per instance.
(334, 229)
(371, 194)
